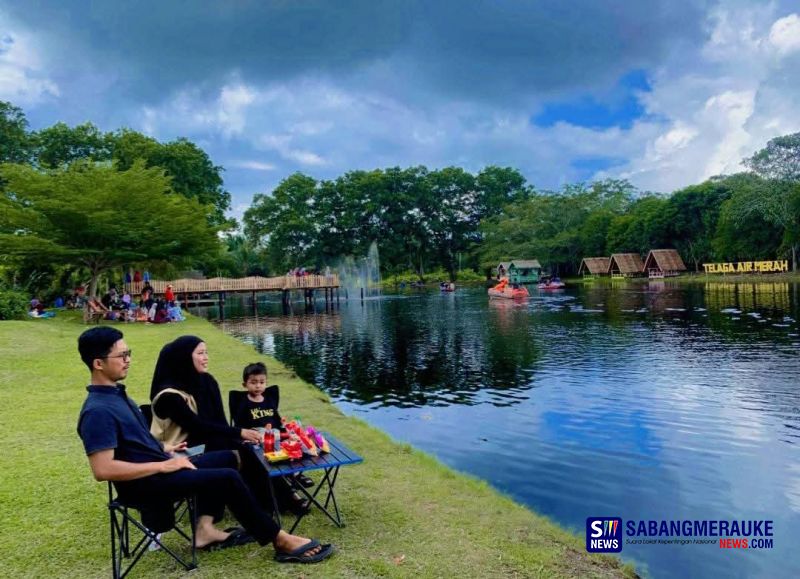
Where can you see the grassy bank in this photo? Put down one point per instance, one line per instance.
(407, 515)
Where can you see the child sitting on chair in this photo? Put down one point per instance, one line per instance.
(259, 409)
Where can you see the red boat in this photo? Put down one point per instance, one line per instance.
(503, 290)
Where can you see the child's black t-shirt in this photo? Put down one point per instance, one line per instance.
(251, 414)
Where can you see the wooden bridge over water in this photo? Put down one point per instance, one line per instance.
(196, 290)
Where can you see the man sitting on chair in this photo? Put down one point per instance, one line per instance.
(122, 450)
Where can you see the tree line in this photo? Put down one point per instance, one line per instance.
(77, 202)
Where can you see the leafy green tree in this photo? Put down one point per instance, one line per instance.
(15, 146)
(61, 145)
(283, 222)
(101, 218)
(497, 187)
(779, 160)
(191, 169)
(645, 226)
(695, 212)
(776, 202)
(738, 239)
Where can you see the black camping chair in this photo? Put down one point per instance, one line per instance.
(155, 518)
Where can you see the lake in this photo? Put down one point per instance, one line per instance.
(642, 401)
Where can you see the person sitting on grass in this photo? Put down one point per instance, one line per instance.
(122, 450)
(259, 409)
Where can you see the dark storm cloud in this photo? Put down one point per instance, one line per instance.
(492, 50)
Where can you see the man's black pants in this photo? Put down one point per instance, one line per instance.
(216, 483)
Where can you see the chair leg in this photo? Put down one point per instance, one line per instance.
(120, 523)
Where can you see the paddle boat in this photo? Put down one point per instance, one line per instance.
(550, 283)
(513, 291)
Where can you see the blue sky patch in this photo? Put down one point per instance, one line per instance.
(619, 107)
(586, 167)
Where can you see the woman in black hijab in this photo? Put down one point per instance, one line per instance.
(181, 370)
(187, 405)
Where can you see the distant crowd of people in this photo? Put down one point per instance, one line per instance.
(150, 309)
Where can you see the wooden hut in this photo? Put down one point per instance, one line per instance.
(625, 265)
(663, 263)
(524, 271)
(593, 266)
(502, 269)
(520, 270)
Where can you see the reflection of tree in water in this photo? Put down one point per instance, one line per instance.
(440, 350)
(416, 353)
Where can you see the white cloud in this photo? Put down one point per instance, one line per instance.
(22, 78)
(252, 165)
(785, 34)
(712, 113)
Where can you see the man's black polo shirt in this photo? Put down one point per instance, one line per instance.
(111, 420)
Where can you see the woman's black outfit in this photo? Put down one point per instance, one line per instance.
(175, 369)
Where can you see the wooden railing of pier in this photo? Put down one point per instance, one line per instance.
(242, 284)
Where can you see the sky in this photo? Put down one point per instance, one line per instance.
(665, 93)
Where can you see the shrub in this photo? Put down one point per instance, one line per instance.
(13, 304)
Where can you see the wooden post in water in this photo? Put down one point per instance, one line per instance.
(221, 304)
(255, 304)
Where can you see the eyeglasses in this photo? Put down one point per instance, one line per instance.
(125, 354)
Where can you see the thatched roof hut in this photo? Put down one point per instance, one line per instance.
(594, 266)
(625, 264)
(663, 263)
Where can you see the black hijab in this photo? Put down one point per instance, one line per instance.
(175, 368)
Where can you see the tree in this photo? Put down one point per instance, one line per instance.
(284, 223)
(192, 172)
(14, 140)
(779, 160)
(99, 217)
(695, 212)
(497, 187)
(645, 226)
(776, 202)
(61, 145)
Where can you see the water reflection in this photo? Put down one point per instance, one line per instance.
(646, 401)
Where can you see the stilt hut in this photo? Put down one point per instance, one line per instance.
(520, 270)
(592, 267)
(623, 265)
(663, 263)
(524, 271)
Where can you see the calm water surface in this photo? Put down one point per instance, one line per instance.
(640, 401)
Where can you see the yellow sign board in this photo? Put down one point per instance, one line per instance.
(748, 267)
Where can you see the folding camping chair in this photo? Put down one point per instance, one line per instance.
(155, 520)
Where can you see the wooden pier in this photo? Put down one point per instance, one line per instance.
(193, 289)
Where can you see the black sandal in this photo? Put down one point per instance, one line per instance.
(303, 480)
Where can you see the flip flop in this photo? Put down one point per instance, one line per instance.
(234, 539)
(298, 555)
(305, 481)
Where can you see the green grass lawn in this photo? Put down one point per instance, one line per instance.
(406, 513)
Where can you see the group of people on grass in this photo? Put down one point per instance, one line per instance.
(113, 306)
(147, 464)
